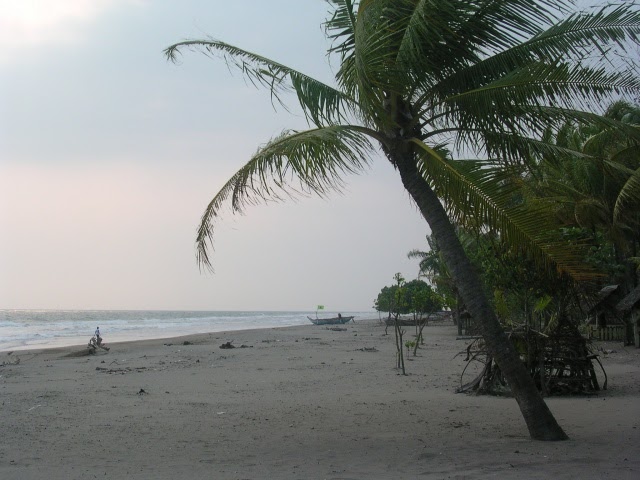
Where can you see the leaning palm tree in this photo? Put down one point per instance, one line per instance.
(416, 78)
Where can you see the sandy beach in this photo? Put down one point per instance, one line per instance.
(303, 402)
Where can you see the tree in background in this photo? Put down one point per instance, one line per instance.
(422, 299)
(400, 304)
(512, 282)
(434, 270)
(391, 300)
(423, 302)
(415, 297)
(597, 190)
(416, 76)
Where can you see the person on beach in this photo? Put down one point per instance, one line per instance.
(98, 337)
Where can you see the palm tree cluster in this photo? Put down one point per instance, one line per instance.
(596, 190)
(425, 81)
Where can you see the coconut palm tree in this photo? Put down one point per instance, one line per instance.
(603, 193)
(416, 77)
(433, 268)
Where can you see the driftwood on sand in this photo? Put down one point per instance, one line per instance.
(95, 343)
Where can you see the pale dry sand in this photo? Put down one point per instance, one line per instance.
(296, 403)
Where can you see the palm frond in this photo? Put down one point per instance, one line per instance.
(617, 142)
(552, 84)
(419, 254)
(582, 31)
(320, 102)
(533, 89)
(509, 134)
(290, 165)
(507, 147)
(341, 30)
(510, 147)
(628, 199)
(441, 38)
(474, 193)
(572, 40)
(628, 156)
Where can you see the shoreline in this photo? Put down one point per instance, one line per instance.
(30, 330)
(296, 402)
(154, 341)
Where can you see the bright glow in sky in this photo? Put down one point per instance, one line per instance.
(109, 155)
(28, 24)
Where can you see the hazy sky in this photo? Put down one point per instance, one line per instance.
(109, 155)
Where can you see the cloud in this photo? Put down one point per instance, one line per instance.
(27, 25)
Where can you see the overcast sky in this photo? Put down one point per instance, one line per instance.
(109, 155)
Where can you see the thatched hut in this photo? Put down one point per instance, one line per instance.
(629, 309)
(603, 319)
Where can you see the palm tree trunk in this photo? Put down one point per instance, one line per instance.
(540, 421)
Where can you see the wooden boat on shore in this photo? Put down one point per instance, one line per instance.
(330, 321)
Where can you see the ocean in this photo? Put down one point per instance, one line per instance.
(29, 329)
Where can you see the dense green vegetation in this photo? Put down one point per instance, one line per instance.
(415, 297)
(591, 192)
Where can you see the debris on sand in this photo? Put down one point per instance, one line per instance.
(368, 349)
(14, 362)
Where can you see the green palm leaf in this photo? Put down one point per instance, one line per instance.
(569, 39)
(513, 135)
(480, 196)
(320, 102)
(542, 84)
(441, 38)
(341, 30)
(292, 164)
(628, 199)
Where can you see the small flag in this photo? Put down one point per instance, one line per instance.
(320, 307)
